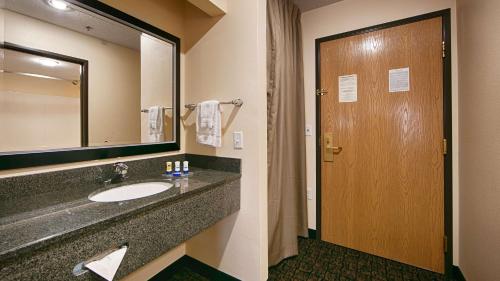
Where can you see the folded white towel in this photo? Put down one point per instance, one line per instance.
(208, 123)
(155, 122)
(207, 113)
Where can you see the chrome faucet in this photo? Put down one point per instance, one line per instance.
(119, 173)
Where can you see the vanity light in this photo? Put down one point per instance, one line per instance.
(58, 4)
(47, 62)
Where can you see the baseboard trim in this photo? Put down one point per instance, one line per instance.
(194, 265)
(311, 233)
(457, 274)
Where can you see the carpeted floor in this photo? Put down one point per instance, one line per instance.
(187, 274)
(318, 260)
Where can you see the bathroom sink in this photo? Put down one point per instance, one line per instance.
(131, 191)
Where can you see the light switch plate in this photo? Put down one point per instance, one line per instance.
(309, 194)
(238, 140)
(309, 130)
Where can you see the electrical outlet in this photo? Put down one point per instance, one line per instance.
(309, 194)
(309, 130)
(238, 140)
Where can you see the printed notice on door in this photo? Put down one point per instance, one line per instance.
(399, 80)
(348, 88)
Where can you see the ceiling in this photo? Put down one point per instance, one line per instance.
(78, 20)
(18, 62)
(306, 5)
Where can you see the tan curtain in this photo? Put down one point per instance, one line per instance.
(287, 193)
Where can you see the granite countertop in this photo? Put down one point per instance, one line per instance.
(48, 226)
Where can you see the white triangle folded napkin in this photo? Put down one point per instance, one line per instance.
(107, 266)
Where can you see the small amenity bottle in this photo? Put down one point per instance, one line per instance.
(185, 167)
(168, 168)
(177, 169)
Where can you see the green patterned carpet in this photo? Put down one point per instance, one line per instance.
(318, 260)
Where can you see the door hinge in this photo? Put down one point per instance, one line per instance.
(444, 49)
(321, 92)
(445, 243)
(445, 146)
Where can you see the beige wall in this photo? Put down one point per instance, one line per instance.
(350, 15)
(114, 75)
(211, 7)
(227, 63)
(479, 41)
(38, 113)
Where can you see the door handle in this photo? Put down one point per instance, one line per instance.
(337, 149)
(329, 149)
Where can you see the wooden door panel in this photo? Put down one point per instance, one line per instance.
(383, 194)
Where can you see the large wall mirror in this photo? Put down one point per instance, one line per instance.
(80, 80)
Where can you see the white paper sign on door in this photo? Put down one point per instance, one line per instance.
(399, 80)
(348, 88)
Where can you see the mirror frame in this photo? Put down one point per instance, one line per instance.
(24, 159)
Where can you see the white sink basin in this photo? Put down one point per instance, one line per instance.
(131, 191)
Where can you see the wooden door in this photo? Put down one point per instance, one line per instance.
(384, 191)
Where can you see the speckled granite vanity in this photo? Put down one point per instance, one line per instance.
(48, 225)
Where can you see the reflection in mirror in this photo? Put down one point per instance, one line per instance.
(39, 102)
(73, 78)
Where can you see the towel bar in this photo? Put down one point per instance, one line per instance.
(147, 110)
(235, 102)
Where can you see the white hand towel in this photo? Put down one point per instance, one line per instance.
(208, 123)
(207, 113)
(108, 265)
(155, 122)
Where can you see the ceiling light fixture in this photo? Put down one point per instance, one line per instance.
(47, 62)
(58, 4)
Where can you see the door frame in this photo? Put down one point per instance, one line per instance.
(447, 121)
